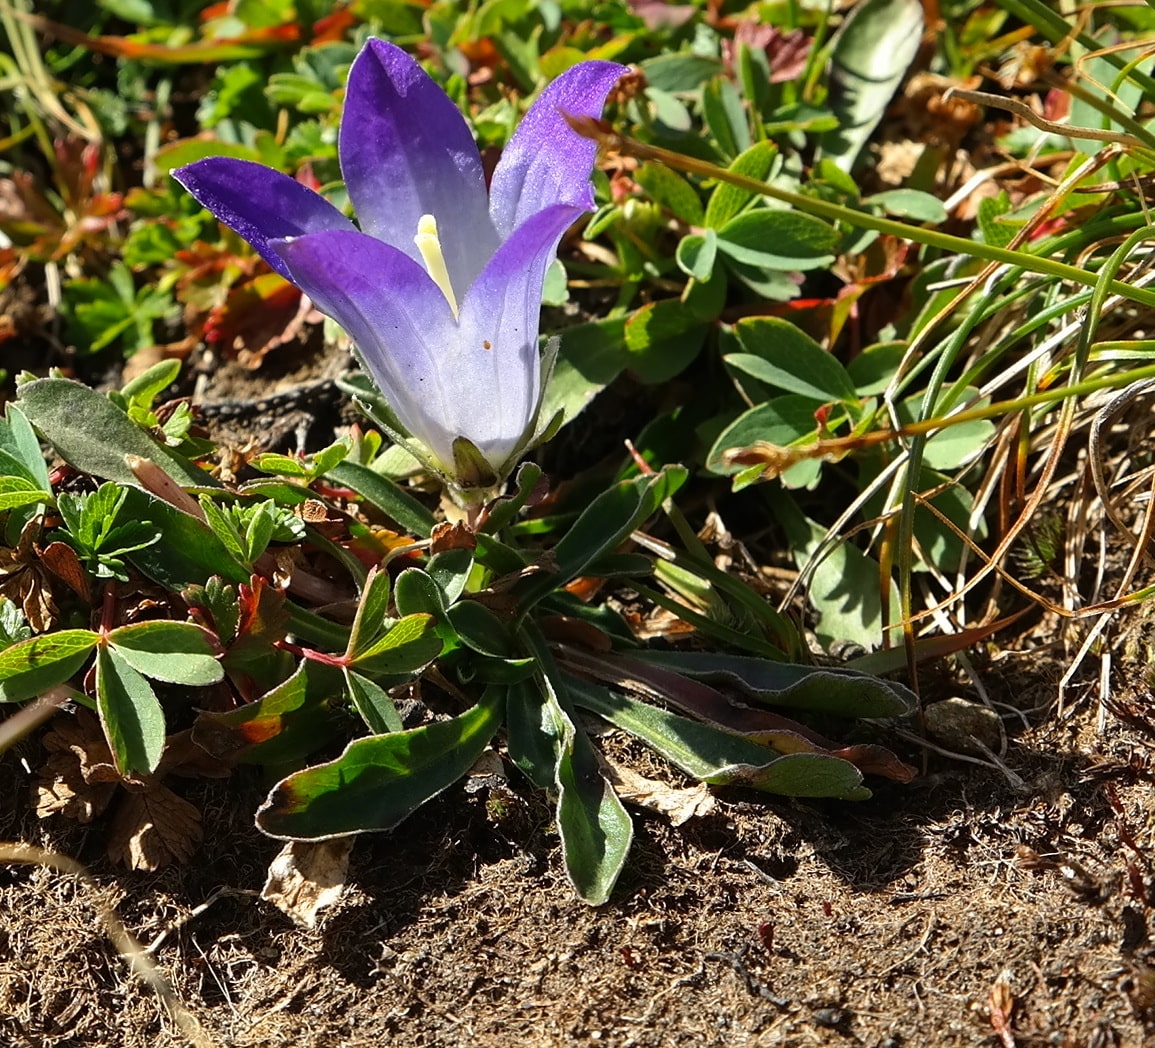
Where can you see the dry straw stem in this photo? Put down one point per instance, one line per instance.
(125, 942)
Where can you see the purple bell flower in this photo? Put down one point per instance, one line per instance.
(440, 288)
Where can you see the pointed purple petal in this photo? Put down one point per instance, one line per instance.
(399, 319)
(259, 203)
(546, 161)
(406, 151)
(503, 310)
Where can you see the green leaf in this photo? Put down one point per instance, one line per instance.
(721, 757)
(373, 703)
(283, 726)
(995, 229)
(146, 387)
(13, 626)
(845, 587)
(680, 71)
(727, 200)
(591, 357)
(450, 570)
(870, 56)
(672, 191)
(409, 645)
(782, 421)
(725, 117)
(20, 445)
(176, 652)
(874, 368)
(531, 732)
(386, 496)
(696, 255)
(223, 528)
(602, 526)
(596, 831)
(130, 714)
(18, 491)
(784, 356)
(843, 692)
(415, 592)
(91, 433)
(282, 466)
(502, 511)
(910, 203)
(663, 338)
(188, 553)
(778, 240)
(951, 446)
(379, 781)
(481, 630)
(35, 665)
(371, 611)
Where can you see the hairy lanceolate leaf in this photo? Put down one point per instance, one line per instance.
(720, 757)
(94, 435)
(283, 726)
(379, 781)
(532, 733)
(177, 652)
(872, 51)
(602, 526)
(385, 495)
(188, 552)
(847, 693)
(480, 629)
(377, 709)
(40, 663)
(596, 831)
(130, 714)
(527, 486)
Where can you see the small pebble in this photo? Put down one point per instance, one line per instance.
(953, 722)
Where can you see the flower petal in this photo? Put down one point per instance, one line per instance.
(546, 161)
(406, 151)
(502, 311)
(398, 317)
(259, 203)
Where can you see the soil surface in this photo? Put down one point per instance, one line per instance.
(974, 906)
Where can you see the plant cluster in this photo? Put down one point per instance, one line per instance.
(878, 375)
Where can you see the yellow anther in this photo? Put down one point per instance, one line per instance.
(429, 244)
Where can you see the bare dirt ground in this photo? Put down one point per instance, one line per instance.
(934, 914)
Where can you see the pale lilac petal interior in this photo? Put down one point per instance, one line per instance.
(503, 311)
(406, 151)
(399, 319)
(547, 162)
(259, 203)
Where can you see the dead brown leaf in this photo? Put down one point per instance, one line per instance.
(78, 780)
(25, 581)
(447, 536)
(153, 827)
(306, 877)
(679, 804)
